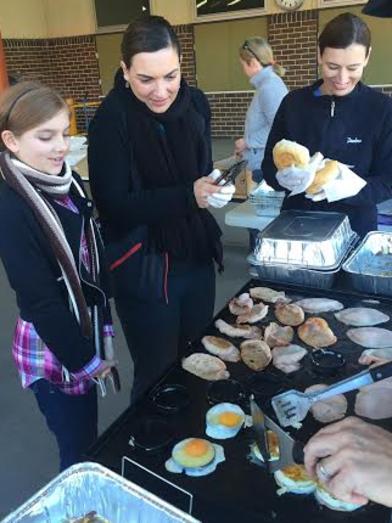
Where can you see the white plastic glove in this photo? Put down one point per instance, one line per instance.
(345, 185)
(318, 197)
(222, 198)
(298, 179)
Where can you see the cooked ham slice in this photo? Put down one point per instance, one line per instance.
(289, 314)
(370, 356)
(241, 304)
(238, 331)
(257, 313)
(268, 295)
(361, 317)
(287, 359)
(317, 305)
(374, 401)
(328, 410)
(371, 337)
(277, 336)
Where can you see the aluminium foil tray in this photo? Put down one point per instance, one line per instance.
(292, 275)
(87, 487)
(268, 203)
(306, 240)
(370, 265)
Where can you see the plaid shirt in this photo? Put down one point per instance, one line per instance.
(34, 360)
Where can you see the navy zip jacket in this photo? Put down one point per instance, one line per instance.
(355, 129)
(35, 276)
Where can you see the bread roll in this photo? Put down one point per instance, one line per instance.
(316, 333)
(329, 172)
(287, 153)
(256, 354)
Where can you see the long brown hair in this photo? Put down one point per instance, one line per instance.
(26, 105)
(258, 48)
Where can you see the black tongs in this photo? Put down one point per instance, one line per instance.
(230, 174)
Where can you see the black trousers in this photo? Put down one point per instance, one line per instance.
(72, 419)
(157, 333)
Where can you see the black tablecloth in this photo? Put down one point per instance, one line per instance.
(238, 490)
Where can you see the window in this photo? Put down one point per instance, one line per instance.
(224, 9)
(337, 3)
(117, 14)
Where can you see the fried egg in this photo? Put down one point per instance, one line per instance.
(224, 420)
(326, 498)
(193, 452)
(294, 479)
(273, 447)
(195, 456)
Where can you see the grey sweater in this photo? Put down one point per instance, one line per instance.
(270, 90)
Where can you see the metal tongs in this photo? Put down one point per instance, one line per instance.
(292, 406)
(106, 352)
(230, 174)
(290, 450)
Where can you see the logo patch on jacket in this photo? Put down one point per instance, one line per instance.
(353, 140)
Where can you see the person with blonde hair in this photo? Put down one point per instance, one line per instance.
(265, 75)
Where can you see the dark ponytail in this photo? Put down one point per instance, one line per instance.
(147, 35)
(343, 31)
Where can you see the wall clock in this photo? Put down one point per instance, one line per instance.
(289, 5)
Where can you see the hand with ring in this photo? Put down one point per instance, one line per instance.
(322, 473)
(353, 459)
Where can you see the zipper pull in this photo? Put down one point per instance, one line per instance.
(332, 108)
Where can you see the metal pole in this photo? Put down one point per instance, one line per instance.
(3, 68)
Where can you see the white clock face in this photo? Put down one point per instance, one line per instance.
(289, 5)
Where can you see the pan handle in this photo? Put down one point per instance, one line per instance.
(381, 371)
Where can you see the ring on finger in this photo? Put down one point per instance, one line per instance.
(322, 472)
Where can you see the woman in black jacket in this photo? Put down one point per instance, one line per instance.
(52, 255)
(149, 160)
(343, 119)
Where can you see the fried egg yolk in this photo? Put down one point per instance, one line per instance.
(296, 473)
(196, 447)
(229, 419)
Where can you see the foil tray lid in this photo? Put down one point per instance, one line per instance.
(305, 239)
(373, 256)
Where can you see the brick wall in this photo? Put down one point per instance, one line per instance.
(68, 64)
(293, 37)
(228, 112)
(185, 34)
(75, 66)
(28, 59)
